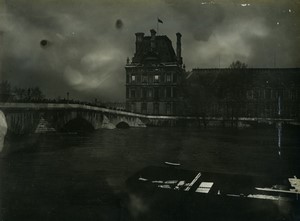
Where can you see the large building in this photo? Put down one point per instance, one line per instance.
(157, 84)
(154, 76)
(243, 92)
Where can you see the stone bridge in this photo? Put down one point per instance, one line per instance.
(25, 118)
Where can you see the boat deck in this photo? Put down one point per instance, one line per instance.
(215, 194)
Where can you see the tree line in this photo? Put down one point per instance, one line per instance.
(10, 93)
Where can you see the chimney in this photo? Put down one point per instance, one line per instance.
(152, 44)
(138, 41)
(178, 48)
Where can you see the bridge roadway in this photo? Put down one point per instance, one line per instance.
(25, 118)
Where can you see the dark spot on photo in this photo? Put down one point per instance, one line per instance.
(119, 24)
(44, 43)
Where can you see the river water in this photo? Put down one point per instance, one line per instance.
(82, 176)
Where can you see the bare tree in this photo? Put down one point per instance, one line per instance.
(237, 65)
(36, 94)
(5, 91)
(5, 87)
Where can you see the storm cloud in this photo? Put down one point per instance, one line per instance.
(88, 42)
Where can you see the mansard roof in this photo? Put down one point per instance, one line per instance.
(162, 53)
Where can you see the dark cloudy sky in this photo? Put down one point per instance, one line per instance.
(87, 51)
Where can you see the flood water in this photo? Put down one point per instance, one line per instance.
(82, 176)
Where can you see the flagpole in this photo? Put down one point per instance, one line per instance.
(157, 25)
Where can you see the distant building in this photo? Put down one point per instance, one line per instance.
(154, 76)
(246, 92)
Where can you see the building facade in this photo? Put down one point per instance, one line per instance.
(157, 84)
(154, 76)
(247, 92)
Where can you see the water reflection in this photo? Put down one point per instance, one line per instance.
(279, 128)
(82, 176)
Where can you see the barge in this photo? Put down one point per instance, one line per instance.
(171, 193)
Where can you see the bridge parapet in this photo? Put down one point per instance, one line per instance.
(42, 106)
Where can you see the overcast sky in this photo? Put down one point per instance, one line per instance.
(87, 50)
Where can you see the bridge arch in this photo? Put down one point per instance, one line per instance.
(74, 120)
(122, 124)
(78, 124)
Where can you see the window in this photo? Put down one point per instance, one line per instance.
(292, 95)
(250, 94)
(144, 93)
(161, 92)
(271, 94)
(132, 107)
(264, 94)
(150, 93)
(132, 78)
(156, 108)
(256, 94)
(156, 78)
(168, 78)
(174, 78)
(156, 93)
(168, 92)
(162, 77)
(174, 92)
(138, 92)
(132, 93)
(168, 108)
(144, 79)
(144, 108)
(268, 94)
